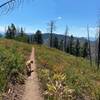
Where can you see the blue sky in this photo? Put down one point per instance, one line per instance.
(35, 14)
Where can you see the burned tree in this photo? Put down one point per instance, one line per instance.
(51, 30)
(98, 48)
(89, 45)
(65, 39)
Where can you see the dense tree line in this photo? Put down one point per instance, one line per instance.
(19, 34)
(16, 33)
(73, 46)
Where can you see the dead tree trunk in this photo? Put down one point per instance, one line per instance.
(89, 45)
(51, 28)
(98, 62)
(65, 40)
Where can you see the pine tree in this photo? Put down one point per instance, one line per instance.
(38, 37)
(85, 50)
(55, 42)
(1, 35)
(22, 32)
(77, 47)
(71, 44)
(8, 33)
(61, 45)
(13, 31)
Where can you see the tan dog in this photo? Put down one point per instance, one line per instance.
(28, 67)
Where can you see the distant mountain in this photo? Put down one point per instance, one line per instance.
(59, 36)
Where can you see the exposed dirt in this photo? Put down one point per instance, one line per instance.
(32, 88)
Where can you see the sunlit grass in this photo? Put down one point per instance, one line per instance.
(13, 56)
(79, 77)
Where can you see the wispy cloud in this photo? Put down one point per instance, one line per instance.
(59, 18)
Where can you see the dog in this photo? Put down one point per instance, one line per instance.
(28, 67)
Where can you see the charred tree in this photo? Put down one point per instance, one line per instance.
(98, 62)
(65, 39)
(51, 29)
(89, 45)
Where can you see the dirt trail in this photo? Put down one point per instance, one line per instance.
(32, 91)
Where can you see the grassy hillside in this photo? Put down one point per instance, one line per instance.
(62, 76)
(12, 59)
(65, 77)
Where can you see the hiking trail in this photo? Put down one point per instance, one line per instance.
(32, 88)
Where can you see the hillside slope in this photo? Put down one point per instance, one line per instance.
(65, 77)
(62, 76)
(13, 56)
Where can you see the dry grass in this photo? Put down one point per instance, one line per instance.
(13, 56)
(75, 78)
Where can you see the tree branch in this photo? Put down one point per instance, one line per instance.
(6, 3)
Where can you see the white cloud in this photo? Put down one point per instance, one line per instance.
(59, 18)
